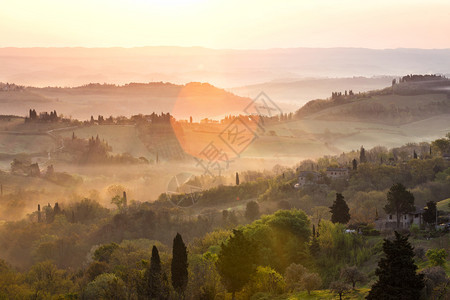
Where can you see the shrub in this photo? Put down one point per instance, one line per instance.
(437, 257)
(293, 276)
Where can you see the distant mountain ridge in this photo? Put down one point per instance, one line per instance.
(221, 67)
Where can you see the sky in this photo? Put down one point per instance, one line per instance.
(231, 24)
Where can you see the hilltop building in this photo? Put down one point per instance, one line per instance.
(336, 173)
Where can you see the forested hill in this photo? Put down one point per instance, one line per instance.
(410, 98)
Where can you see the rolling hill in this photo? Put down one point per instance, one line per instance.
(200, 100)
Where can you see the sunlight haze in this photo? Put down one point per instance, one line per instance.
(225, 24)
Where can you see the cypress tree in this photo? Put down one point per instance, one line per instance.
(154, 279)
(39, 213)
(339, 210)
(237, 178)
(179, 267)
(397, 277)
(362, 155)
(355, 164)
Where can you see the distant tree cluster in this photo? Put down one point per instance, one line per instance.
(427, 77)
(163, 118)
(43, 116)
(11, 87)
(25, 168)
(339, 95)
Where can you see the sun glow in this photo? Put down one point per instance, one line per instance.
(225, 24)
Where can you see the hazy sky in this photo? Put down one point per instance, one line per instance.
(226, 24)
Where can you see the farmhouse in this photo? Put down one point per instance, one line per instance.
(337, 172)
(308, 177)
(406, 220)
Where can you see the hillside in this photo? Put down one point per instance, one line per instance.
(290, 94)
(404, 102)
(201, 100)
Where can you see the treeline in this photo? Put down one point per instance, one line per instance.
(426, 77)
(163, 118)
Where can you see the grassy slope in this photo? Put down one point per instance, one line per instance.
(444, 205)
(401, 101)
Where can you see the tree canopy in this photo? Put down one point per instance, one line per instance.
(399, 201)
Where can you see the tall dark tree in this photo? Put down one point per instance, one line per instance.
(236, 261)
(362, 155)
(56, 209)
(355, 164)
(154, 285)
(397, 277)
(39, 213)
(429, 216)
(237, 178)
(399, 201)
(339, 210)
(415, 154)
(179, 267)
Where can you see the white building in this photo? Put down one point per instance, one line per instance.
(406, 220)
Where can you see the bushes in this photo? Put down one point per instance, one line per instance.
(105, 286)
(435, 279)
(265, 279)
(437, 257)
(281, 238)
(293, 276)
